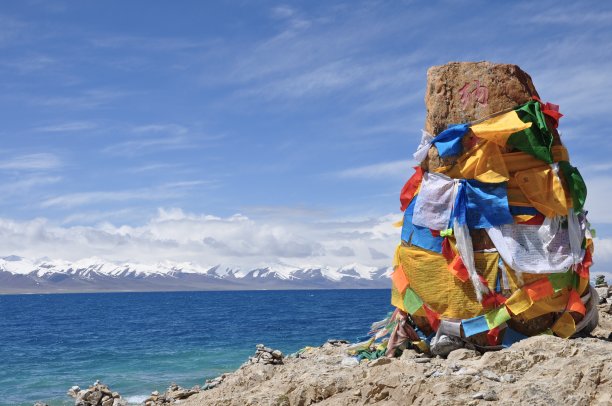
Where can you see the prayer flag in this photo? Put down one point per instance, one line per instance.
(574, 303)
(474, 326)
(537, 139)
(411, 187)
(497, 317)
(457, 268)
(512, 336)
(412, 301)
(497, 129)
(448, 141)
(539, 289)
(519, 302)
(399, 279)
(565, 326)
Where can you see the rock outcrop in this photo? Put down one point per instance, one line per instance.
(541, 370)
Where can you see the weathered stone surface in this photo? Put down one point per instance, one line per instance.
(459, 92)
(539, 370)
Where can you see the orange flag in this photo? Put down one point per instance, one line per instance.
(574, 303)
(539, 289)
(399, 279)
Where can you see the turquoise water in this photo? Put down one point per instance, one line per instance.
(139, 342)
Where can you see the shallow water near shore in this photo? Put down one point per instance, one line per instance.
(139, 342)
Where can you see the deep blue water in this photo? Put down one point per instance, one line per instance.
(139, 342)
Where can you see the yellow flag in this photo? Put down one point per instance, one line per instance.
(498, 129)
(565, 326)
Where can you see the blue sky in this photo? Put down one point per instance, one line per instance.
(287, 116)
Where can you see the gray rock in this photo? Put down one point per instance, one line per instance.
(422, 360)
(40, 404)
(467, 371)
(108, 402)
(277, 354)
(443, 345)
(490, 396)
(490, 375)
(379, 361)
(94, 397)
(602, 293)
(349, 362)
(509, 378)
(155, 393)
(462, 354)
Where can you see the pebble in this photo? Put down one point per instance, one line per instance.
(490, 375)
(349, 361)
(490, 396)
(422, 360)
(467, 371)
(508, 378)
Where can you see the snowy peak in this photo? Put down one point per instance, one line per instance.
(93, 274)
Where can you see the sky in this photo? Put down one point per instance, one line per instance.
(259, 131)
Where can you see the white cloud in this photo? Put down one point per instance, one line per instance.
(164, 191)
(67, 127)
(384, 169)
(238, 240)
(38, 161)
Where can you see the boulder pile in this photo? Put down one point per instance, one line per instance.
(97, 394)
(267, 356)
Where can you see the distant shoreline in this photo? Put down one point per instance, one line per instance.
(10, 293)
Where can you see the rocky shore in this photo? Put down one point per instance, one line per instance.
(541, 370)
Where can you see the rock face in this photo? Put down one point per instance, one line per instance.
(541, 370)
(459, 92)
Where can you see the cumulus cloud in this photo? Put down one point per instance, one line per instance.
(207, 240)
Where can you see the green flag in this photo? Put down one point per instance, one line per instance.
(537, 139)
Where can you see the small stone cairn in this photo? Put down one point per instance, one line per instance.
(603, 290)
(267, 356)
(97, 394)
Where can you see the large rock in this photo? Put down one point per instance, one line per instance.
(459, 92)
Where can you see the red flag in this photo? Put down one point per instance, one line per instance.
(410, 188)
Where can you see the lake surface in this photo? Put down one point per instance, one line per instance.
(139, 342)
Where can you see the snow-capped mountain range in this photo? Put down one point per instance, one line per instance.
(22, 275)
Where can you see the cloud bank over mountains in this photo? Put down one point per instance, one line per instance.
(207, 240)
